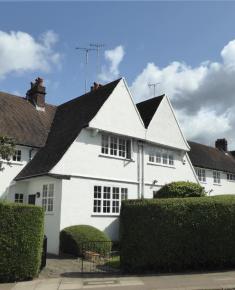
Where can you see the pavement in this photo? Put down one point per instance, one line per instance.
(198, 281)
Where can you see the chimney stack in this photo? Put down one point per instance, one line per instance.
(95, 86)
(36, 94)
(221, 144)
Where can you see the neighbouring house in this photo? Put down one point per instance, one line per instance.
(215, 167)
(79, 160)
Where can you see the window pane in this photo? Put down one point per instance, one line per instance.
(158, 157)
(171, 160)
(113, 146)
(164, 158)
(105, 144)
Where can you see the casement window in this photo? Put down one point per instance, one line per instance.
(48, 197)
(216, 177)
(165, 158)
(107, 199)
(19, 197)
(151, 157)
(201, 174)
(17, 155)
(230, 177)
(116, 146)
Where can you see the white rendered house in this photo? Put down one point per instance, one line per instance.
(215, 167)
(100, 148)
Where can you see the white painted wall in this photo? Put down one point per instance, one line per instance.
(52, 219)
(225, 186)
(77, 205)
(164, 128)
(119, 114)
(10, 171)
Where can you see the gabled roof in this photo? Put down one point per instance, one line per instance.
(210, 157)
(70, 119)
(21, 121)
(148, 108)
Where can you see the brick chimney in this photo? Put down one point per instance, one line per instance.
(95, 86)
(221, 144)
(36, 94)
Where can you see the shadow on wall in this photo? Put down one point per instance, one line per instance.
(112, 230)
(6, 193)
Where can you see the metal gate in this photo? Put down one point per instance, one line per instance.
(99, 257)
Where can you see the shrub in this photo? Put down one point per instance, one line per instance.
(76, 239)
(177, 234)
(21, 238)
(180, 189)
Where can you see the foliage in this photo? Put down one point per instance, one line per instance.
(21, 239)
(73, 240)
(180, 189)
(177, 234)
(7, 147)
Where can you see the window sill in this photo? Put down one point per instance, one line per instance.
(49, 213)
(231, 181)
(116, 157)
(105, 214)
(12, 162)
(203, 182)
(161, 165)
(217, 184)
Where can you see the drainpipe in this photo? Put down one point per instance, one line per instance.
(142, 170)
(138, 170)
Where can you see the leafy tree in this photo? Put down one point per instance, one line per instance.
(7, 148)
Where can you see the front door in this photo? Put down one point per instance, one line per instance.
(31, 199)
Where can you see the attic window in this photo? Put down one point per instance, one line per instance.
(116, 146)
(17, 155)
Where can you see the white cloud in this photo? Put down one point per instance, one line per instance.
(114, 58)
(203, 96)
(20, 52)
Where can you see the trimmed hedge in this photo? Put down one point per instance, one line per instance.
(21, 238)
(180, 189)
(178, 234)
(76, 239)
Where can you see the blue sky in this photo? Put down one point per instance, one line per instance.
(151, 36)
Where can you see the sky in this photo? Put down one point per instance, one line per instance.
(188, 48)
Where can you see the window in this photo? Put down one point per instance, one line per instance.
(107, 200)
(171, 160)
(48, 197)
(201, 173)
(164, 158)
(17, 155)
(158, 157)
(116, 146)
(19, 197)
(151, 157)
(230, 176)
(216, 177)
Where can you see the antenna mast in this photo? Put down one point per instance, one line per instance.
(98, 47)
(154, 85)
(87, 50)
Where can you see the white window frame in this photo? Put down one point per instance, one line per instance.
(201, 174)
(17, 156)
(19, 198)
(107, 199)
(231, 177)
(48, 197)
(216, 177)
(116, 146)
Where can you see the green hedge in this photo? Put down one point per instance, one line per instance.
(180, 189)
(76, 239)
(178, 234)
(21, 238)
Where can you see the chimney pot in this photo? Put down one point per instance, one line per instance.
(36, 94)
(95, 86)
(221, 144)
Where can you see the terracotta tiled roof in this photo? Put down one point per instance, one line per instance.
(21, 121)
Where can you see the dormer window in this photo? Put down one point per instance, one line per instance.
(17, 155)
(116, 146)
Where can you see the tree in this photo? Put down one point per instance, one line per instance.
(7, 149)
